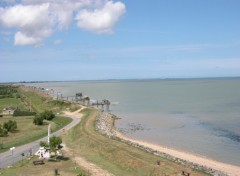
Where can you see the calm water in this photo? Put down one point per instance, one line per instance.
(201, 116)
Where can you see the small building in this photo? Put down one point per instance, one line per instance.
(9, 110)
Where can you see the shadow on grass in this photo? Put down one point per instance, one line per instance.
(59, 158)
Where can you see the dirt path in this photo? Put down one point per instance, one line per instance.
(88, 166)
(81, 161)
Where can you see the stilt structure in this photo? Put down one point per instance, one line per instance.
(102, 104)
(86, 99)
(78, 97)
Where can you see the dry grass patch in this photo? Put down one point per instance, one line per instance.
(65, 166)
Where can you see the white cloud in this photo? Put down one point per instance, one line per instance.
(35, 20)
(31, 21)
(23, 39)
(100, 20)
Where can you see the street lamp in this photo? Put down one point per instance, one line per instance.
(12, 149)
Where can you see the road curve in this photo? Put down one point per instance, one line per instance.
(8, 158)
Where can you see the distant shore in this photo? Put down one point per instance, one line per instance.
(105, 125)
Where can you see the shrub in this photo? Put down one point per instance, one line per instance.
(47, 115)
(3, 131)
(38, 120)
(23, 113)
(10, 126)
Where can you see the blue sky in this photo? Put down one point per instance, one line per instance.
(44, 40)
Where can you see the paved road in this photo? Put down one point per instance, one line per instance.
(8, 158)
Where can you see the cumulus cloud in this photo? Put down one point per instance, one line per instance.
(35, 20)
(101, 20)
(32, 21)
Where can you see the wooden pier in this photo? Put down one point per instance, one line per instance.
(81, 99)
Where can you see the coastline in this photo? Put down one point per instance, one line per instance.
(105, 125)
(190, 160)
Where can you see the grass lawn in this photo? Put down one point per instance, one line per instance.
(28, 132)
(65, 167)
(114, 156)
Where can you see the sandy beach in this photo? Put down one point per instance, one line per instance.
(106, 126)
(227, 168)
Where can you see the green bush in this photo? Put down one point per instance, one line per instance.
(47, 115)
(38, 120)
(3, 131)
(23, 113)
(10, 126)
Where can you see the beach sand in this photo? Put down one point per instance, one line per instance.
(200, 160)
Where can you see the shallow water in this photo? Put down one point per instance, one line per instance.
(195, 115)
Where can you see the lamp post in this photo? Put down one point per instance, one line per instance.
(12, 149)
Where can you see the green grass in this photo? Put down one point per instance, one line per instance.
(41, 101)
(11, 102)
(65, 167)
(117, 157)
(28, 132)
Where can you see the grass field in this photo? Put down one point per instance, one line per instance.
(28, 132)
(65, 167)
(11, 102)
(114, 156)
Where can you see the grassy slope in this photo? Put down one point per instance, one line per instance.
(115, 156)
(27, 131)
(40, 101)
(11, 102)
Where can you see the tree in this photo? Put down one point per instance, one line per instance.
(47, 115)
(55, 144)
(3, 131)
(10, 126)
(38, 120)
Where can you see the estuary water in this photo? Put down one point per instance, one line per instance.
(200, 116)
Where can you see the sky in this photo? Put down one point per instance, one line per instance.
(59, 40)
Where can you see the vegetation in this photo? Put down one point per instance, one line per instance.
(27, 132)
(3, 132)
(115, 156)
(54, 144)
(8, 91)
(40, 101)
(24, 99)
(10, 97)
(38, 119)
(23, 113)
(47, 115)
(10, 126)
(64, 165)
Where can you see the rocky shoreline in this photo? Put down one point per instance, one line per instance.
(105, 125)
